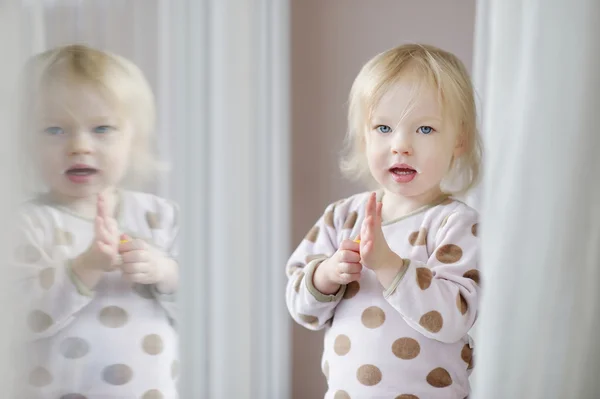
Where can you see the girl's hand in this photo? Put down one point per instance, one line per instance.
(342, 268)
(374, 250)
(141, 263)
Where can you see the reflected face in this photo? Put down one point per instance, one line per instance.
(80, 144)
(409, 145)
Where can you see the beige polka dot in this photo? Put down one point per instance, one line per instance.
(308, 319)
(153, 394)
(47, 277)
(432, 321)
(313, 234)
(449, 253)
(62, 237)
(474, 229)
(142, 290)
(406, 396)
(326, 370)
(439, 378)
(406, 348)
(368, 375)
(152, 344)
(424, 276)
(351, 220)
(39, 321)
(310, 258)
(417, 238)
(113, 316)
(461, 304)
(74, 348)
(351, 290)
(175, 369)
(27, 253)
(73, 396)
(153, 220)
(341, 345)
(473, 275)
(341, 395)
(117, 374)
(466, 354)
(40, 377)
(298, 282)
(373, 317)
(329, 218)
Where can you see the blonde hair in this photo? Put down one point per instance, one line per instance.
(448, 75)
(121, 83)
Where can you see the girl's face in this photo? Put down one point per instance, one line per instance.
(80, 145)
(409, 145)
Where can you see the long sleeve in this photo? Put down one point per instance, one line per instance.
(306, 304)
(170, 216)
(440, 298)
(47, 296)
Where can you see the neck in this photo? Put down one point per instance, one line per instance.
(396, 206)
(87, 206)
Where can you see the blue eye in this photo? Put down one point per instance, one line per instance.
(383, 129)
(102, 129)
(425, 129)
(53, 130)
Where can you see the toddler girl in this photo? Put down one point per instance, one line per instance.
(95, 262)
(392, 275)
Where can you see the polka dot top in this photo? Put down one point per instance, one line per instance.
(409, 341)
(117, 341)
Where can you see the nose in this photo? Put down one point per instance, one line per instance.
(402, 143)
(80, 143)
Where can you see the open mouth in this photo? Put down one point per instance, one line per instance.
(81, 171)
(403, 171)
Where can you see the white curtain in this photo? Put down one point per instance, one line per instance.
(219, 69)
(540, 317)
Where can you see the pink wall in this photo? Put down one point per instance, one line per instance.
(331, 39)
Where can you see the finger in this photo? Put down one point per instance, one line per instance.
(124, 238)
(101, 206)
(98, 224)
(104, 248)
(132, 245)
(105, 236)
(135, 267)
(349, 268)
(112, 226)
(347, 278)
(349, 245)
(378, 212)
(140, 278)
(349, 256)
(138, 255)
(370, 211)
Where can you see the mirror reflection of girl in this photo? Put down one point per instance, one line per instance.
(95, 262)
(397, 305)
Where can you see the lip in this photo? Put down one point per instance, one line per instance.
(403, 178)
(79, 178)
(79, 166)
(402, 166)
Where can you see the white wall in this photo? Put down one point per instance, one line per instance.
(330, 41)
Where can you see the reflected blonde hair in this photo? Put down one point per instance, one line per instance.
(117, 80)
(445, 72)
